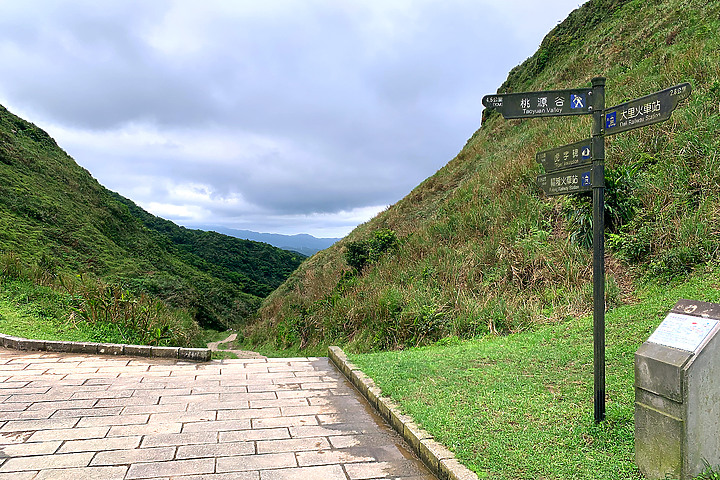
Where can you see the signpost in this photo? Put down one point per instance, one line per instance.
(551, 103)
(573, 180)
(647, 110)
(578, 153)
(580, 167)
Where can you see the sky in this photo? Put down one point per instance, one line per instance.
(279, 116)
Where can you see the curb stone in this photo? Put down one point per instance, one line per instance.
(435, 456)
(193, 354)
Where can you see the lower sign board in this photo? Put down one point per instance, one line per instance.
(578, 153)
(549, 103)
(562, 182)
(654, 108)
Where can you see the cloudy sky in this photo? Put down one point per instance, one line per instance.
(283, 116)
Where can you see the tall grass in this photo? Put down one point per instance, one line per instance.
(86, 303)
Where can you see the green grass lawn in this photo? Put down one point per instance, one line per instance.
(521, 406)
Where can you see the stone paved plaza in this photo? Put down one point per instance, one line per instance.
(76, 417)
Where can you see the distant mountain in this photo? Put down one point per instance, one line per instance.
(301, 243)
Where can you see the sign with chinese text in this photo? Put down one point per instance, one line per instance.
(578, 153)
(684, 332)
(550, 103)
(561, 182)
(654, 108)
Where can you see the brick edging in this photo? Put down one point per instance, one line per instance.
(435, 456)
(194, 354)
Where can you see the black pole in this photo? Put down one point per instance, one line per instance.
(598, 184)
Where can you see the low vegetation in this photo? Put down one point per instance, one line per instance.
(37, 303)
(521, 406)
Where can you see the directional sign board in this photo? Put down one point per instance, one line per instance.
(573, 180)
(578, 153)
(654, 108)
(550, 103)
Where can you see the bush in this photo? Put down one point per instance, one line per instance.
(361, 253)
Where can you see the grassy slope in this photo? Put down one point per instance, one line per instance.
(483, 250)
(482, 247)
(521, 406)
(53, 213)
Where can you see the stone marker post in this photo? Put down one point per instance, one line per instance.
(677, 394)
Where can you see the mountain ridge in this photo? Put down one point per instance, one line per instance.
(303, 243)
(54, 213)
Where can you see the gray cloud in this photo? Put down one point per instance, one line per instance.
(282, 112)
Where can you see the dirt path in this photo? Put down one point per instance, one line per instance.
(215, 347)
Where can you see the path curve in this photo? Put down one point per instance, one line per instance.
(215, 347)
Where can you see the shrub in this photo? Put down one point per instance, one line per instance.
(361, 253)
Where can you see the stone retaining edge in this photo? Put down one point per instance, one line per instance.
(192, 354)
(435, 456)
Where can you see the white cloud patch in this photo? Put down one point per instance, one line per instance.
(279, 115)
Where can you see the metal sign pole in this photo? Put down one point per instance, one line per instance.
(598, 188)
(567, 170)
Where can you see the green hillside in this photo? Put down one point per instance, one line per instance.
(56, 219)
(478, 248)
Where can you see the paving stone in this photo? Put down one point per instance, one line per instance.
(18, 475)
(221, 476)
(85, 473)
(26, 415)
(171, 468)
(8, 407)
(330, 430)
(292, 445)
(18, 464)
(135, 455)
(217, 405)
(140, 409)
(347, 441)
(216, 426)
(214, 450)
(21, 388)
(42, 424)
(99, 444)
(248, 413)
(256, 462)
(11, 438)
(329, 472)
(68, 434)
(61, 405)
(183, 417)
(179, 439)
(250, 435)
(284, 421)
(85, 413)
(285, 402)
(307, 410)
(147, 429)
(239, 396)
(328, 457)
(186, 399)
(29, 449)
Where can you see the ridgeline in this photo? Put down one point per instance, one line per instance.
(107, 261)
